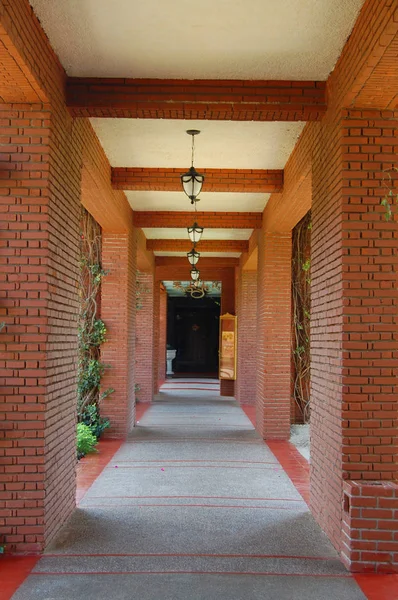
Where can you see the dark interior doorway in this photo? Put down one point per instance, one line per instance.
(192, 329)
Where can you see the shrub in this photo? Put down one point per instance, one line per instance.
(90, 417)
(86, 440)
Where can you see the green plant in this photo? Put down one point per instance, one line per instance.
(391, 196)
(91, 329)
(91, 417)
(86, 440)
(301, 304)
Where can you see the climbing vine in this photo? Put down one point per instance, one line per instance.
(301, 307)
(91, 328)
(390, 198)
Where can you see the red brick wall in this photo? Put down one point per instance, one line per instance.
(144, 338)
(118, 310)
(227, 387)
(40, 190)
(39, 305)
(274, 346)
(247, 337)
(162, 335)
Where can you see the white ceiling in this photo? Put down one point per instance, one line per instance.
(157, 233)
(220, 39)
(236, 39)
(220, 145)
(210, 201)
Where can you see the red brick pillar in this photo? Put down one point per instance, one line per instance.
(40, 206)
(159, 334)
(162, 335)
(144, 337)
(247, 337)
(273, 335)
(227, 387)
(118, 310)
(354, 339)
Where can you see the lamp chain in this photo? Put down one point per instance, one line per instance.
(193, 150)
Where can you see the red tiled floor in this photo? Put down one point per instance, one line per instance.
(250, 412)
(92, 465)
(378, 587)
(295, 465)
(140, 410)
(13, 572)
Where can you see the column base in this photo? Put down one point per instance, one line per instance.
(370, 527)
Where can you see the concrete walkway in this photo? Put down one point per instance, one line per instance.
(193, 506)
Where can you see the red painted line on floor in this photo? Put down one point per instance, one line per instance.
(197, 460)
(13, 572)
(251, 573)
(195, 389)
(189, 505)
(167, 466)
(210, 498)
(92, 465)
(189, 555)
(378, 587)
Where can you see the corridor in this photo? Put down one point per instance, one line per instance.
(193, 506)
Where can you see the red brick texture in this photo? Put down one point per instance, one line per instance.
(247, 337)
(223, 220)
(159, 334)
(162, 335)
(40, 187)
(118, 310)
(216, 180)
(274, 345)
(228, 303)
(370, 526)
(144, 338)
(39, 305)
(232, 100)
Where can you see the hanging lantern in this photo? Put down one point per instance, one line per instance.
(192, 181)
(195, 233)
(193, 256)
(195, 273)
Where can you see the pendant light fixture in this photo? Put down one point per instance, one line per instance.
(195, 233)
(195, 273)
(193, 256)
(192, 181)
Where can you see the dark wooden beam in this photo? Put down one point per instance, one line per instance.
(220, 100)
(216, 180)
(218, 220)
(172, 245)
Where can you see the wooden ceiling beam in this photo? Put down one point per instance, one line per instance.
(173, 245)
(218, 262)
(183, 219)
(216, 180)
(220, 100)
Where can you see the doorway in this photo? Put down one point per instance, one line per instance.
(193, 331)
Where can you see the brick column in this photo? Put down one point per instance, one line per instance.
(354, 339)
(144, 337)
(273, 335)
(247, 337)
(162, 335)
(159, 334)
(227, 387)
(40, 206)
(118, 310)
